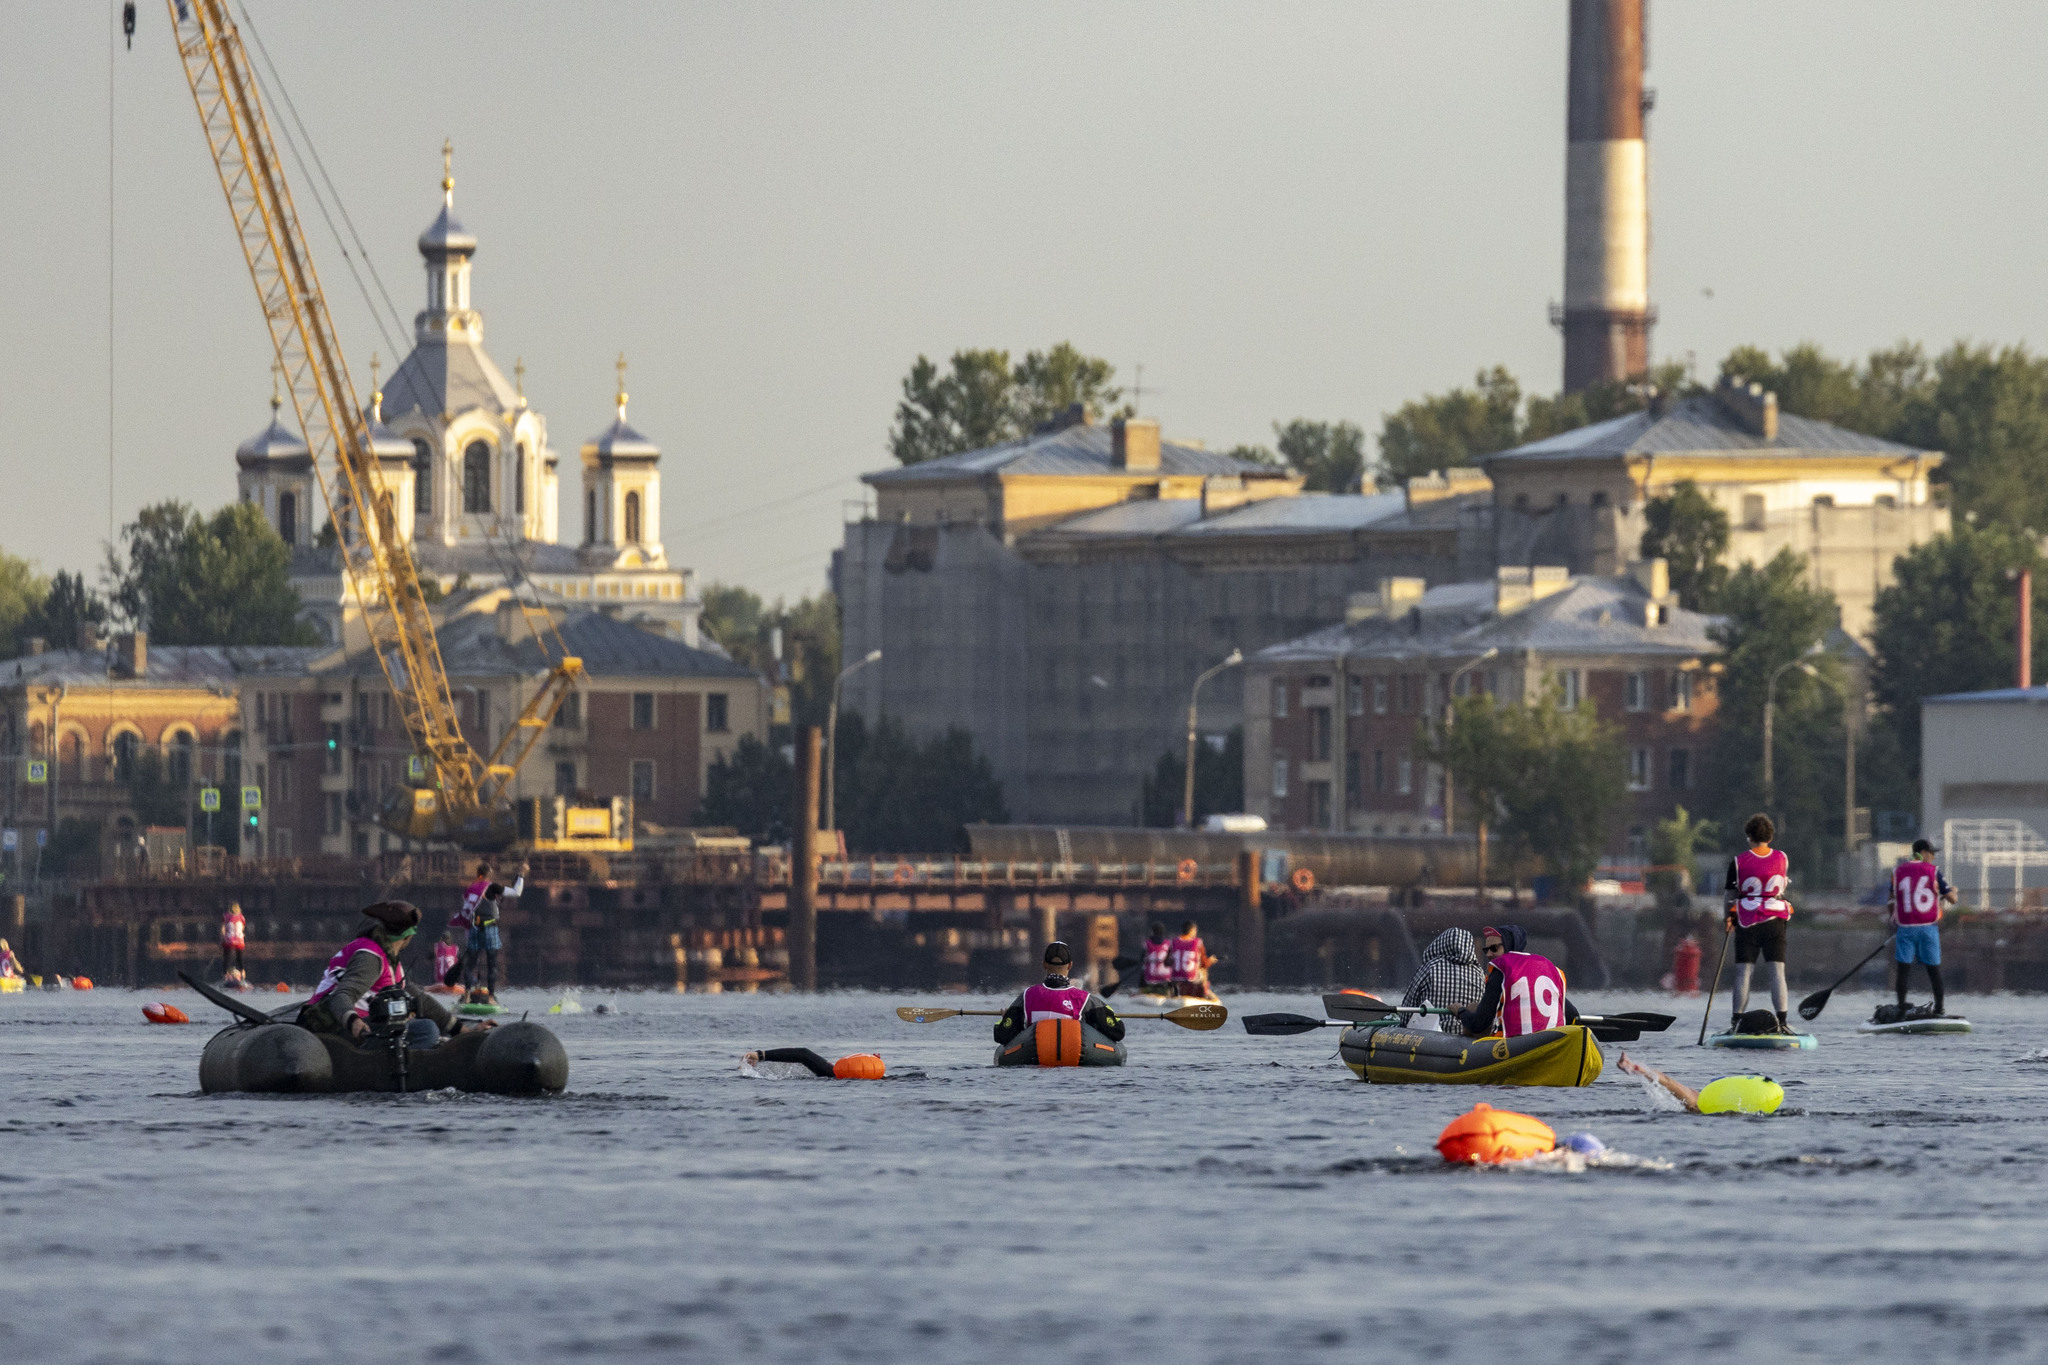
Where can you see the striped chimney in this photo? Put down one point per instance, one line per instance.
(1607, 313)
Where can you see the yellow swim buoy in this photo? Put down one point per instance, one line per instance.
(1742, 1095)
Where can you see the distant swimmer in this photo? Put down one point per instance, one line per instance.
(1524, 991)
(1450, 977)
(1156, 970)
(1918, 893)
(1189, 963)
(1757, 913)
(860, 1066)
(1057, 997)
(366, 964)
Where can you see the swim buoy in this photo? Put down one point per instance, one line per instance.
(81, 983)
(861, 1066)
(160, 1013)
(903, 873)
(1742, 1095)
(1188, 869)
(1488, 1134)
(1302, 880)
(283, 989)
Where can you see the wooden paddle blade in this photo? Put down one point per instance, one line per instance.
(1282, 1025)
(1357, 1005)
(918, 1014)
(1200, 1018)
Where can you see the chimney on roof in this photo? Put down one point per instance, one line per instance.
(1390, 599)
(131, 654)
(37, 645)
(1517, 586)
(1135, 441)
(88, 640)
(1750, 404)
(1072, 415)
(1606, 313)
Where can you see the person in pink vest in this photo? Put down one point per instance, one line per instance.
(366, 964)
(1757, 914)
(1188, 964)
(234, 937)
(1524, 991)
(1057, 997)
(1918, 893)
(1156, 967)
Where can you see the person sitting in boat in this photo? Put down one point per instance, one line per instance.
(366, 964)
(1524, 991)
(1156, 967)
(1057, 997)
(1188, 964)
(1450, 977)
(10, 965)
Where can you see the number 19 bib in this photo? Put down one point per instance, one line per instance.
(1531, 994)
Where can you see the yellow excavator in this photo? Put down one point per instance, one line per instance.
(464, 798)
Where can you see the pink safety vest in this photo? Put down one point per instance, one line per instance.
(472, 897)
(1187, 958)
(445, 956)
(232, 930)
(1916, 893)
(392, 975)
(1531, 994)
(1158, 962)
(1054, 1002)
(1760, 887)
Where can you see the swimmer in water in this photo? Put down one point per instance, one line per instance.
(860, 1066)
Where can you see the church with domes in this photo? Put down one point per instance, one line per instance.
(474, 479)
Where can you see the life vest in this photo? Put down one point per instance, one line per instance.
(1760, 887)
(1158, 962)
(233, 929)
(391, 975)
(1916, 893)
(472, 899)
(445, 956)
(1531, 994)
(1188, 957)
(1054, 1002)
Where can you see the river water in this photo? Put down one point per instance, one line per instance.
(1223, 1198)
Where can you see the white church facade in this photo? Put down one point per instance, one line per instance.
(474, 482)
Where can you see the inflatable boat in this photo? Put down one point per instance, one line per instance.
(284, 1059)
(1387, 1053)
(1060, 1042)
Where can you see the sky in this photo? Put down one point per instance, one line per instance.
(1279, 211)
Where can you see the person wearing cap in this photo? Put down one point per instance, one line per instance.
(10, 965)
(366, 964)
(1918, 893)
(1524, 991)
(1057, 997)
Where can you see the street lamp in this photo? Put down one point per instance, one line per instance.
(1450, 713)
(1770, 708)
(1187, 805)
(832, 736)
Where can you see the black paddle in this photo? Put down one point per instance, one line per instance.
(1284, 1025)
(1727, 935)
(1123, 966)
(227, 1002)
(1608, 1030)
(1812, 1005)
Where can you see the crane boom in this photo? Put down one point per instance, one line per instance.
(377, 561)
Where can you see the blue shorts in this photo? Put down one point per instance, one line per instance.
(484, 938)
(1918, 943)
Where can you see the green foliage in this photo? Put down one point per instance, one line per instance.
(1691, 533)
(982, 400)
(1330, 456)
(1677, 843)
(1251, 454)
(1947, 624)
(744, 625)
(1447, 429)
(1599, 402)
(219, 580)
(1219, 782)
(753, 791)
(22, 590)
(68, 606)
(898, 796)
(156, 798)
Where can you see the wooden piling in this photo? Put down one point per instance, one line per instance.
(1251, 923)
(803, 866)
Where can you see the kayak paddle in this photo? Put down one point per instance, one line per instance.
(1812, 1005)
(1358, 1004)
(918, 1014)
(229, 1003)
(1286, 1025)
(1200, 1018)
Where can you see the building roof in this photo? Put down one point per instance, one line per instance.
(620, 441)
(1699, 425)
(275, 443)
(1996, 694)
(1312, 513)
(1082, 448)
(445, 235)
(442, 378)
(167, 666)
(473, 647)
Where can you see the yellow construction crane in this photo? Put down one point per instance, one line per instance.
(467, 798)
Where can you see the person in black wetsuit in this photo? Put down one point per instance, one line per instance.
(1509, 938)
(1057, 995)
(817, 1065)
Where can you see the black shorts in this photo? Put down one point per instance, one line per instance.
(1766, 937)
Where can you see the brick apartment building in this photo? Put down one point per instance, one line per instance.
(1332, 736)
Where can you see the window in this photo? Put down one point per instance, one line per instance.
(643, 710)
(1408, 690)
(569, 715)
(126, 745)
(284, 781)
(422, 478)
(288, 518)
(1354, 788)
(1279, 777)
(1319, 733)
(1638, 770)
(714, 713)
(633, 517)
(1319, 805)
(334, 813)
(1752, 511)
(1638, 844)
(589, 518)
(565, 779)
(519, 482)
(476, 477)
(643, 779)
(1379, 696)
(362, 713)
(1681, 769)
(1407, 775)
(1635, 691)
(181, 759)
(1681, 691)
(384, 710)
(1568, 688)
(1379, 770)
(1279, 699)
(1354, 695)
(281, 843)
(231, 764)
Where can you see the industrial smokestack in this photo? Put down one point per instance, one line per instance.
(1607, 312)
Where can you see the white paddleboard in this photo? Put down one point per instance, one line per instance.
(1944, 1024)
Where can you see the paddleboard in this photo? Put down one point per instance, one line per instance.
(481, 1011)
(1943, 1024)
(1778, 1042)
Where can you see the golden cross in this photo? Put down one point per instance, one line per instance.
(622, 381)
(519, 374)
(276, 380)
(448, 163)
(375, 365)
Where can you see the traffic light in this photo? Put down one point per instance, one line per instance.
(252, 819)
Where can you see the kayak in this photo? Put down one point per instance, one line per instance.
(279, 1058)
(1767, 1041)
(11, 984)
(1945, 1023)
(1387, 1053)
(1060, 1042)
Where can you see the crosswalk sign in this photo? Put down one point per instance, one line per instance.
(38, 770)
(252, 798)
(209, 798)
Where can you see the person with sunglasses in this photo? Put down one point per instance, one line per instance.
(366, 964)
(1525, 991)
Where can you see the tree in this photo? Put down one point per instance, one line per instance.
(1442, 430)
(895, 795)
(752, 791)
(1676, 843)
(156, 798)
(1690, 533)
(1602, 401)
(1330, 456)
(22, 590)
(1947, 624)
(981, 400)
(1219, 783)
(745, 626)
(64, 610)
(219, 580)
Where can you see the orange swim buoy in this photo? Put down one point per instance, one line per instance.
(1188, 869)
(160, 1013)
(1488, 1134)
(1302, 880)
(81, 983)
(860, 1066)
(283, 989)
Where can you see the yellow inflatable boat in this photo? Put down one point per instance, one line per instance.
(1391, 1054)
